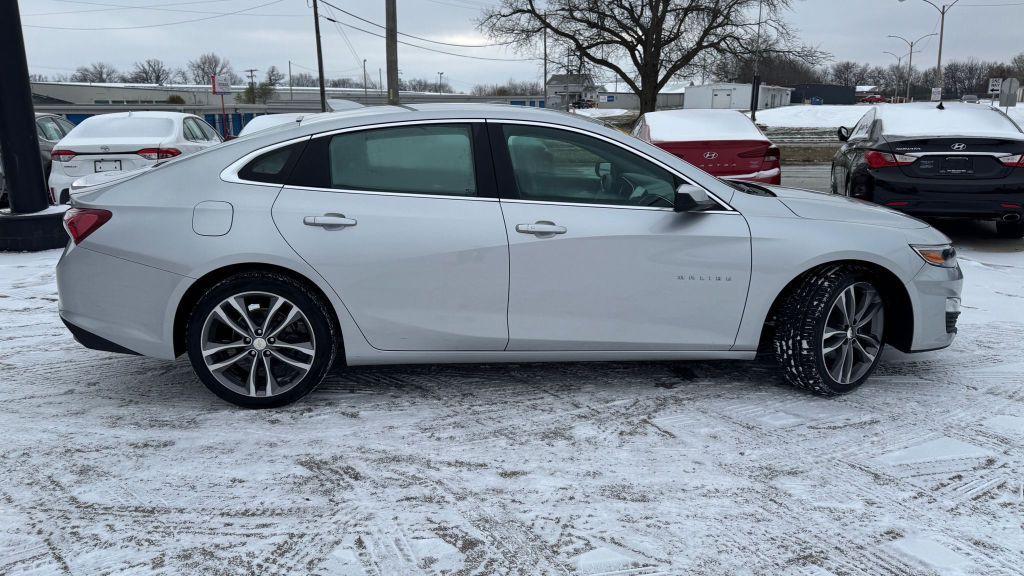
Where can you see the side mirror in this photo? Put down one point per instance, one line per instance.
(691, 198)
(843, 133)
(603, 169)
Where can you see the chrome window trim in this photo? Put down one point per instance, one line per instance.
(230, 174)
(725, 205)
(383, 193)
(613, 206)
(399, 123)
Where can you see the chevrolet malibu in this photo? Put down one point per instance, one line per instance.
(461, 233)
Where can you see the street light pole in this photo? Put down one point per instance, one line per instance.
(440, 81)
(910, 63)
(755, 85)
(942, 30)
(899, 66)
(319, 57)
(364, 80)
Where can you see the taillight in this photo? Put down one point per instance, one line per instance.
(158, 153)
(81, 222)
(876, 159)
(62, 155)
(770, 156)
(1016, 161)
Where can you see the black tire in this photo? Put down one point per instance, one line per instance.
(1010, 229)
(800, 324)
(319, 320)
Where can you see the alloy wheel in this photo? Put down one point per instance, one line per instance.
(258, 344)
(852, 337)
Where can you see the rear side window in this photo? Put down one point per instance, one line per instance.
(274, 166)
(426, 159)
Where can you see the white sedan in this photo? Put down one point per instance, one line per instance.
(125, 141)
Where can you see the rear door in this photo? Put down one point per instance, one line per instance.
(600, 260)
(403, 221)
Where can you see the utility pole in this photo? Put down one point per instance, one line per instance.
(910, 63)
(440, 76)
(291, 95)
(319, 57)
(755, 84)
(364, 81)
(380, 82)
(391, 41)
(942, 30)
(252, 82)
(544, 82)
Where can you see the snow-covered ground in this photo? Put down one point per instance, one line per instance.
(807, 116)
(126, 465)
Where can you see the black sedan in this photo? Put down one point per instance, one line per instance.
(959, 161)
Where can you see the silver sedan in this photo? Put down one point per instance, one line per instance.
(464, 233)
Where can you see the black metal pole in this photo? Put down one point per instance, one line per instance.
(319, 58)
(391, 49)
(23, 167)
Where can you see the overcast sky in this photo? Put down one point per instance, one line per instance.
(273, 32)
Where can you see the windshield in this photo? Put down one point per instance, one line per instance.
(135, 127)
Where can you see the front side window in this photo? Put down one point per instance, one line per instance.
(426, 159)
(561, 166)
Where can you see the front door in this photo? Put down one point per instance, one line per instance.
(403, 223)
(600, 261)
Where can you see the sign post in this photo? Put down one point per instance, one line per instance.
(218, 85)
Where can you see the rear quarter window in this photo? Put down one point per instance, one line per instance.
(274, 166)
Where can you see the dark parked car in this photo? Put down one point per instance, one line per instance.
(50, 128)
(960, 161)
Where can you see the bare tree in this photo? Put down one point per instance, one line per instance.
(511, 88)
(274, 76)
(150, 71)
(209, 64)
(97, 72)
(849, 73)
(645, 43)
(304, 79)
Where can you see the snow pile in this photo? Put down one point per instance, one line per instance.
(956, 119)
(700, 125)
(807, 116)
(601, 112)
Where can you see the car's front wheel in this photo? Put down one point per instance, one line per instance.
(830, 330)
(261, 340)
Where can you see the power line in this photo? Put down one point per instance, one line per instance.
(357, 17)
(114, 7)
(218, 15)
(434, 49)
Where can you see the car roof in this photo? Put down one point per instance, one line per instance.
(921, 119)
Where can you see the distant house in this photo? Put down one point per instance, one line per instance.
(735, 96)
(568, 88)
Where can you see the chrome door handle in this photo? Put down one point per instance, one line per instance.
(329, 221)
(541, 229)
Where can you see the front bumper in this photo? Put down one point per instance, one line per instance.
(933, 291)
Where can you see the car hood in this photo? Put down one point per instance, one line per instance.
(821, 206)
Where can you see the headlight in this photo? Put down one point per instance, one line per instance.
(943, 255)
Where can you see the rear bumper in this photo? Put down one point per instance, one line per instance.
(116, 305)
(981, 199)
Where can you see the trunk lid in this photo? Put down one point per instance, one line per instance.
(721, 157)
(956, 158)
(107, 154)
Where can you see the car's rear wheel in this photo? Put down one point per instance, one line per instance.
(1010, 229)
(830, 330)
(261, 340)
